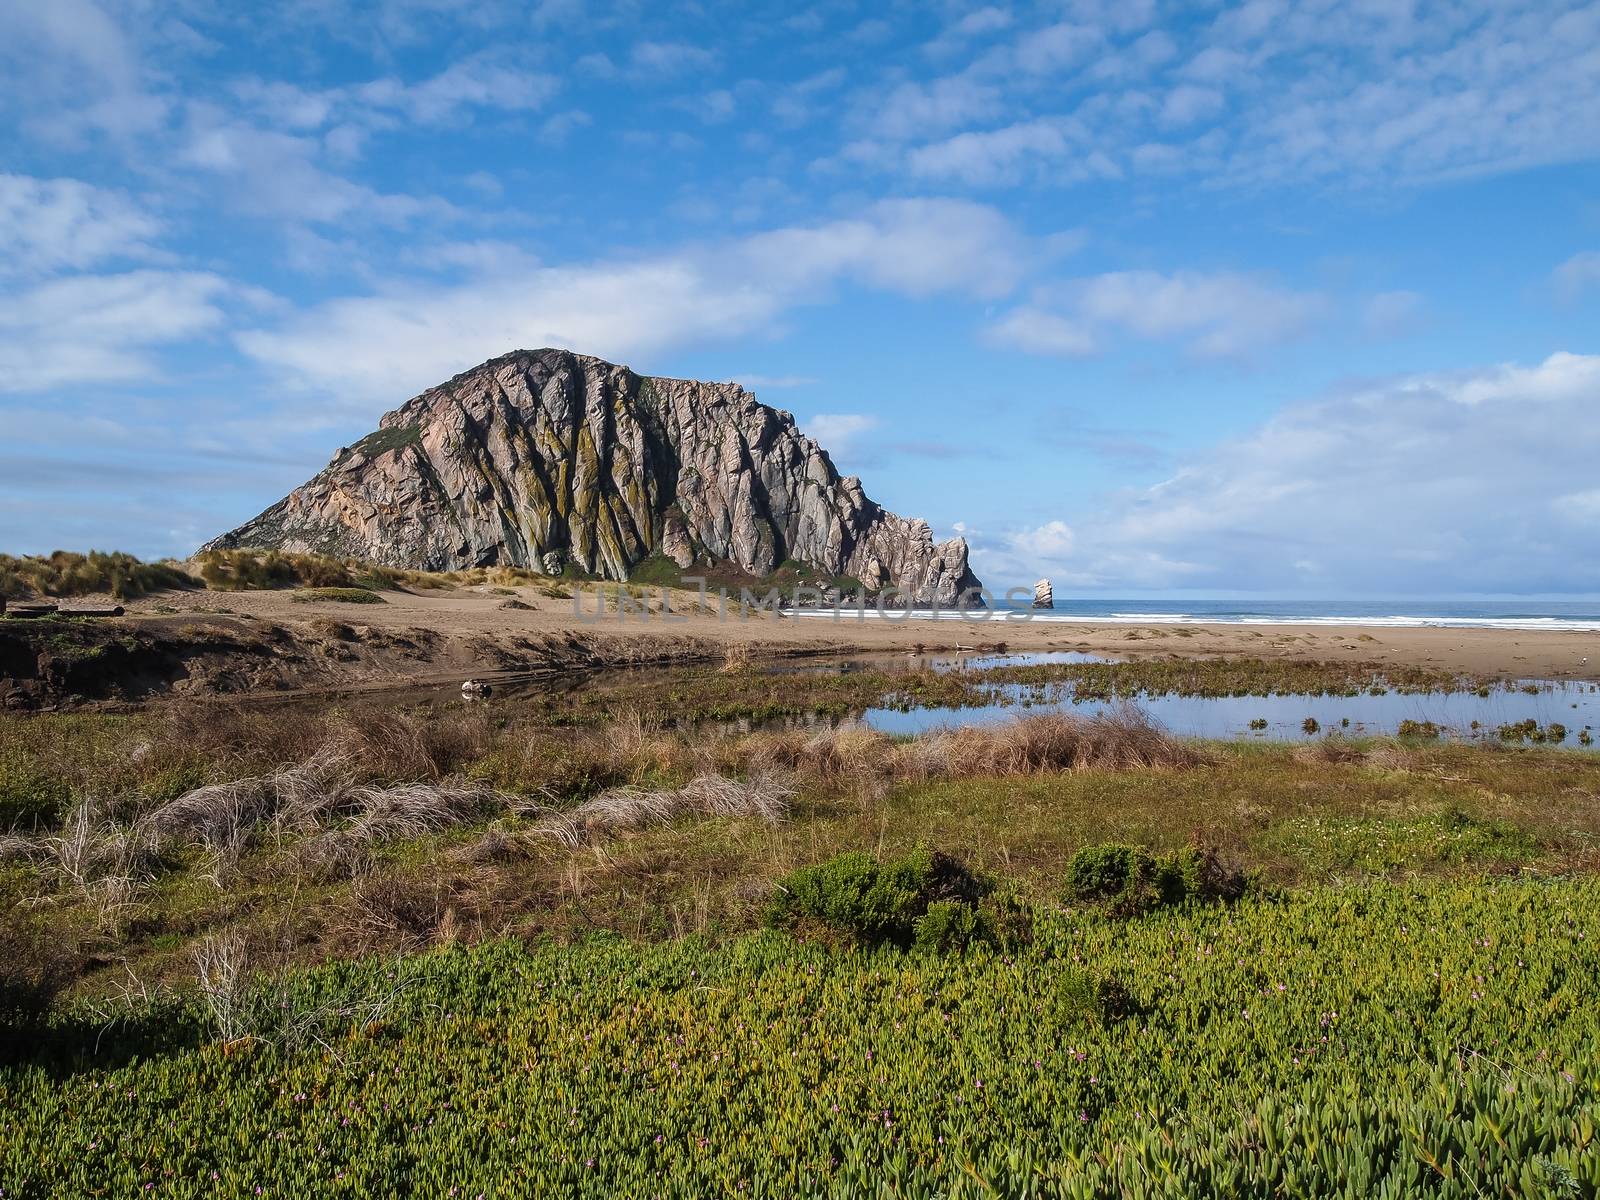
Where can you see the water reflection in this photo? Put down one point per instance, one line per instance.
(1462, 715)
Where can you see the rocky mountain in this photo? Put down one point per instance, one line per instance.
(543, 457)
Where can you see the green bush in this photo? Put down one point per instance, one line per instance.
(30, 795)
(1130, 880)
(339, 595)
(946, 926)
(925, 899)
(1086, 997)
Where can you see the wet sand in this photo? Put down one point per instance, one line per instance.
(468, 613)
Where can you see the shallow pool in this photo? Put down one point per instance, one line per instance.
(1462, 715)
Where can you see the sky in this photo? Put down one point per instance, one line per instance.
(1268, 299)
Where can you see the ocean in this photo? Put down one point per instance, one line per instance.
(1579, 615)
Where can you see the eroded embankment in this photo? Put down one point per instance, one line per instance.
(70, 662)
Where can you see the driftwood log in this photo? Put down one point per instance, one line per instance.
(113, 610)
(31, 610)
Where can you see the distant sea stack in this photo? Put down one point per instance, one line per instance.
(544, 457)
(1043, 596)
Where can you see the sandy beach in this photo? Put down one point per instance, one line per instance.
(479, 615)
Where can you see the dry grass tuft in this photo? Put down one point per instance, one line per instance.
(104, 862)
(1120, 740)
(857, 759)
(764, 795)
(402, 913)
(17, 847)
(413, 810)
(226, 818)
(1329, 750)
(495, 845)
(1390, 758)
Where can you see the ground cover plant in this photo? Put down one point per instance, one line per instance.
(1375, 1041)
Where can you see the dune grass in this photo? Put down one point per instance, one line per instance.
(65, 574)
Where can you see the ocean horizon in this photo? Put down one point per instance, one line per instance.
(1553, 615)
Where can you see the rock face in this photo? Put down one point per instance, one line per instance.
(544, 456)
(1043, 595)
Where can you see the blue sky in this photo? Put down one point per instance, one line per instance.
(1294, 299)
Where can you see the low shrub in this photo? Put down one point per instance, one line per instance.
(924, 899)
(338, 595)
(30, 795)
(1130, 880)
(238, 570)
(35, 966)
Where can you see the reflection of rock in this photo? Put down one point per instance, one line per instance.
(1043, 596)
(552, 562)
(545, 451)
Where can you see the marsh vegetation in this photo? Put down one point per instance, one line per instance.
(594, 943)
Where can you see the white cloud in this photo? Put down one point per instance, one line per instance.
(1216, 315)
(914, 247)
(408, 335)
(1187, 103)
(101, 328)
(558, 128)
(1037, 332)
(1579, 506)
(800, 102)
(73, 70)
(1577, 275)
(980, 22)
(482, 81)
(1051, 541)
(55, 224)
(671, 58)
(920, 110)
(1456, 482)
(839, 433)
(1269, 93)
(277, 174)
(996, 156)
(1055, 47)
